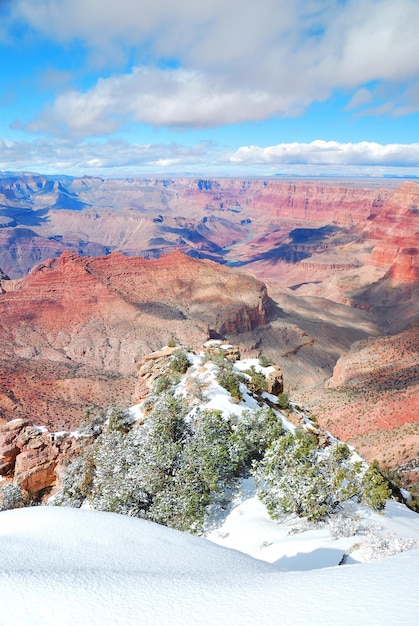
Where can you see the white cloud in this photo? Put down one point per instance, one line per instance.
(158, 97)
(46, 155)
(116, 157)
(236, 60)
(330, 153)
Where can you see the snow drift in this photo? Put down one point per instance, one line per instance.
(73, 566)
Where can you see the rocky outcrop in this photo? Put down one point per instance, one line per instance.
(28, 454)
(35, 467)
(150, 368)
(227, 350)
(397, 226)
(31, 456)
(275, 381)
(400, 257)
(405, 267)
(9, 448)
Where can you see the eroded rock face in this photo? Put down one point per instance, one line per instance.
(9, 448)
(28, 454)
(372, 398)
(76, 327)
(150, 368)
(397, 226)
(35, 468)
(31, 456)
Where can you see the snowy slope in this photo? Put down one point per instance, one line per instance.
(71, 566)
(294, 544)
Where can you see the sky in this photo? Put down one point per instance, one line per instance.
(215, 87)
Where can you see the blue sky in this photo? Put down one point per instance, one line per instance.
(215, 87)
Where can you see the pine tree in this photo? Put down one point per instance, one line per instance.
(295, 476)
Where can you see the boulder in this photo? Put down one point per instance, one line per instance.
(35, 469)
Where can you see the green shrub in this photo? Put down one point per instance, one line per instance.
(11, 497)
(254, 432)
(162, 384)
(179, 361)
(264, 361)
(258, 382)
(76, 482)
(166, 470)
(118, 419)
(229, 379)
(92, 426)
(207, 466)
(283, 401)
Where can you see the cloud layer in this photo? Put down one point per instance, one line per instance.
(215, 62)
(120, 157)
(331, 153)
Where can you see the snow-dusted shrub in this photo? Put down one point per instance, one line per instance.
(283, 400)
(295, 476)
(258, 382)
(118, 483)
(381, 543)
(92, 426)
(179, 361)
(207, 467)
(228, 378)
(11, 497)
(343, 525)
(76, 482)
(118, 419)
(168, 469)
(254, 432)
(162, 384)
(131, 467)
(264, 361)
(197, 389)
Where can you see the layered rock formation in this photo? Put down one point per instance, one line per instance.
(76, 325)
(237, 220)
(29, 455)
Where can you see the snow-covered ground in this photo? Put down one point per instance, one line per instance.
(295, 544)
(73, 566)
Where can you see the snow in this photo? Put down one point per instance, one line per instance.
(80, 566)
(137, 412)
(73, 566)
(296, 545)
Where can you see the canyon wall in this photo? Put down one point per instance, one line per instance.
(90, 320)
